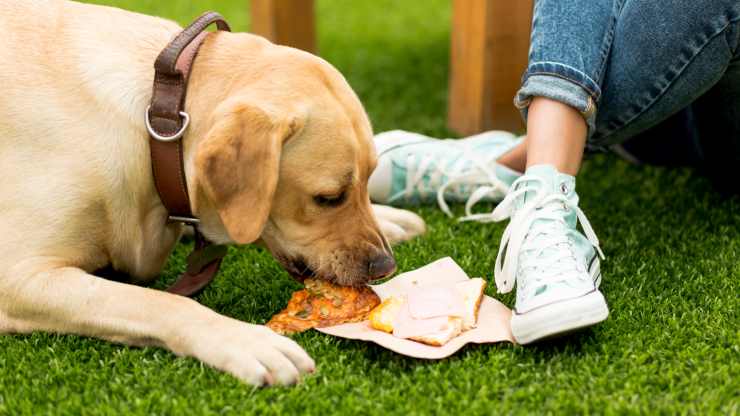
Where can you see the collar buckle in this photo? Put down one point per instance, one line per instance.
(156, 136)
(186, 220)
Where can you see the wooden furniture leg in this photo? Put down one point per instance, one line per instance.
(286, 22)
(489, 48)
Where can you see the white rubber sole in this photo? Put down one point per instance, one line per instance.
(559, 318)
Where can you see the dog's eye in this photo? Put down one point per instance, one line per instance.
(330, 200)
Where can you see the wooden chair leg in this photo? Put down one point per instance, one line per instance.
(286, 22)
(489, 47)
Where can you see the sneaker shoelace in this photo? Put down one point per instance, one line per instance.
(456, 178)
(525, 232)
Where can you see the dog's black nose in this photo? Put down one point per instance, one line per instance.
(380, 266)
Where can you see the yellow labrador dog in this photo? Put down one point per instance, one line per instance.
(279, 151)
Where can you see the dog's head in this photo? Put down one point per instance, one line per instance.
(285, 159)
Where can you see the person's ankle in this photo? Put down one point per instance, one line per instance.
(515, 159)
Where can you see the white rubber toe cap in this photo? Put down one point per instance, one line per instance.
(559, 318)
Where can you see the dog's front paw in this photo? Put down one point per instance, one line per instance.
(398, 224)
(252, 353)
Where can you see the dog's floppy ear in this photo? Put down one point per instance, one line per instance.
(238, 162)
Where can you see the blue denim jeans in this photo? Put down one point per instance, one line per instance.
(630, 65)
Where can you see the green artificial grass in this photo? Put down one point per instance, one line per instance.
(671, 344)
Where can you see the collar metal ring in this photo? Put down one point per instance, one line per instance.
(185, 122)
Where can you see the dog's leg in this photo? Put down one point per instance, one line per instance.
(398, 224)
(68, 300)
(6, 325)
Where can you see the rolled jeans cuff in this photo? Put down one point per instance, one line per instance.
(579, 92)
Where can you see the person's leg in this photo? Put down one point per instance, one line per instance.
(717, 116)
(515, 158)
(705, 135)
(677, 133)
(648, 105)
(554, 265)
(556, 135)
(570, 43)
(645, 85)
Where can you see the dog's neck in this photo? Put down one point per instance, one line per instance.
(139, 77)
(125, 97)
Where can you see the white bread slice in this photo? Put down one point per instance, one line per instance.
(453, 328)
(383, 315)
(471, 292)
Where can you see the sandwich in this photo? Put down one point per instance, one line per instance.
(432, 315)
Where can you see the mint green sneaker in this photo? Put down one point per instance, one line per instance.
(555, 267)
(414, 169)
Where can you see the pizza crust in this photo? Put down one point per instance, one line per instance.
(322, 304)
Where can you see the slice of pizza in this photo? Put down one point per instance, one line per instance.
(322, 304)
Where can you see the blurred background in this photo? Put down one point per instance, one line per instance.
(395, 54)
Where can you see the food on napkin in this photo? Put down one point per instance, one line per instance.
(382, 317)
(492, 324)
(322, 304)
(433, 315)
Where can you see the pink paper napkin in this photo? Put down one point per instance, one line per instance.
(493, 317)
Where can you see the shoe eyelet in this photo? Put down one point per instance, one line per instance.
(564, 188)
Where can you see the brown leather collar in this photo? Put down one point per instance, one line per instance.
(167, 122)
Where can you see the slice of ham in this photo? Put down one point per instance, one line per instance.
(437, 301)
(406, 326)
(428, 311)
